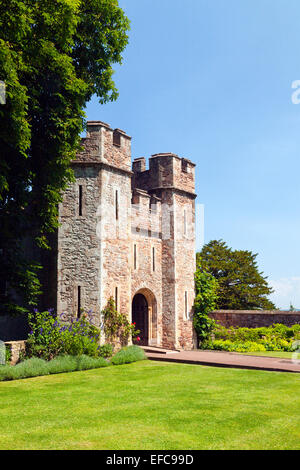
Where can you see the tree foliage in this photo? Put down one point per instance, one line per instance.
(54, 55)
(240, 284)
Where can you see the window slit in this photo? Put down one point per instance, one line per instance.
(78, 302)
(153, 258)
(117, 204)
(80, 200)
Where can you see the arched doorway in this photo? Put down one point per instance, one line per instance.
(141, 318)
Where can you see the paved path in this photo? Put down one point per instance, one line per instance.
(226, 359)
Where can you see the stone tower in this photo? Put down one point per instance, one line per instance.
(172, 180)
(130, 234)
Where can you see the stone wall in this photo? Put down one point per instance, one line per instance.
(117, 223)
(171, 180)
(255, 318)
(114, 232)
(146, 258)
(16, 349)
(184, 259)
(78, 244)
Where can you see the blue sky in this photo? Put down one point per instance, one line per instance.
(211, 80)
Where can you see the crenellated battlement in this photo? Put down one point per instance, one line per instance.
(103, 144)
(166, 170)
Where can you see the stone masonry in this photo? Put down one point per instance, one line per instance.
(127, 230)
(254, 318)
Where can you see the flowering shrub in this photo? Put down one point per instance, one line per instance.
(50, 336)
(117, 327)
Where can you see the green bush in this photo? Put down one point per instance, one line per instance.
(128, 354)
(205, 302)
(106, 350)
(73, 363)
(50, 337)
(227, 345)
(62, 364)
(87, 362)
(30, 368)
(35, 367)
(274, 338)
(7, 355)
(204, 326)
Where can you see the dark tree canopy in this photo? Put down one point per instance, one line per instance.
(240, 284)
(54, 55)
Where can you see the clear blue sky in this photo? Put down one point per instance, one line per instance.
(211, 81)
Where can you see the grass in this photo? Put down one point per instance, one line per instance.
(280, 354)
(150, 405)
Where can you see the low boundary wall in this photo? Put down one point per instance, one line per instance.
(255, 318)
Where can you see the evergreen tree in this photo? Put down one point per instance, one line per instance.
(240, 284)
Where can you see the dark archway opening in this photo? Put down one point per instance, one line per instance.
(140, 318)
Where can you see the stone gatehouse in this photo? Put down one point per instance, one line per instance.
(128, 232)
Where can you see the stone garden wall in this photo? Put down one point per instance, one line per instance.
(255, 318)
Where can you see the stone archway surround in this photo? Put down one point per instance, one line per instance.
(152, 315)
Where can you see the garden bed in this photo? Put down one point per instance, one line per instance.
(35, 367)
(276, 338)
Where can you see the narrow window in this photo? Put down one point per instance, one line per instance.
(186, 305)
(153, 258)
(78, 302)
(184, 166)
(117, 139)
(117, 205)
(116, 298)
(134, 257)
(184, 222)
(80, 200)
(153, 206)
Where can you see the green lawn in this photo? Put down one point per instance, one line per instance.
(282, 354)
(150, 405)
